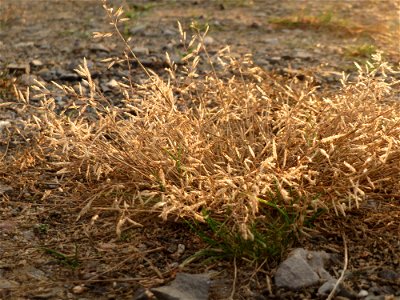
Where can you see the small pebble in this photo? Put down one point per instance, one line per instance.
(208, 40)
(79, 289)
(169, 32)
(36, 63)
(181, 249)
(362, 294)
(112, 83)
(138, 30)
(27, 79)
(141, 51)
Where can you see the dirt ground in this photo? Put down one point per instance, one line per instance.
(46, 254)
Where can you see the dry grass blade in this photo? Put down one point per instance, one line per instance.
(340, 279)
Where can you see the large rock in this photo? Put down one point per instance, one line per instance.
(302, 269)
(185, 287)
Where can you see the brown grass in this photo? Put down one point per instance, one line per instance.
(229, 141)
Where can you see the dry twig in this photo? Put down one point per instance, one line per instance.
(332, 293)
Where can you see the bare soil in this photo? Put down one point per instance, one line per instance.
(46, 254)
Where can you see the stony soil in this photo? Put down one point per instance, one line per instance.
(52, 37)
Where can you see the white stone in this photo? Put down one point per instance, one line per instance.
(362, 294)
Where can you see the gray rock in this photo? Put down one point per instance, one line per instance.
(175, 58)
(27, 79)
(99, 47)
(140, 51)
(71, 66)
(261, 62)
(327, 287)
(35, 273)
(303, 55)
(28, 235)
(341, 290)
(138, 30)
(302, 269)
(47, 74)
(68, 76)
(273, 41)
(104, 88)
(185, 287)
(151, 61)
(295, 273)
(389, 275)
(169, 32)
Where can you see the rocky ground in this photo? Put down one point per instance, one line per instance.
(46, 254)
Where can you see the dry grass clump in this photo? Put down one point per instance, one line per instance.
(233, 143)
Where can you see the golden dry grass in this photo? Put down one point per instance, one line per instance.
(230, 142)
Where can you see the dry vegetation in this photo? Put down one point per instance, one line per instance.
(252, 155)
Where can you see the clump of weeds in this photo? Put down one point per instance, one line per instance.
(134, 11)
(326, 20)
(361, 51)
(248, 159)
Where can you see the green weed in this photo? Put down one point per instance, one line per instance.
(269, 238)
(177, 158)
(42, 228)
(69, 261)
(135, 11)
(362, 51)
(271, 234)
(324, 21)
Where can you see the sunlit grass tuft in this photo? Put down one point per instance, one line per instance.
(252, 157)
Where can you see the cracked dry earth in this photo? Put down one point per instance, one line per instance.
(46, 254)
